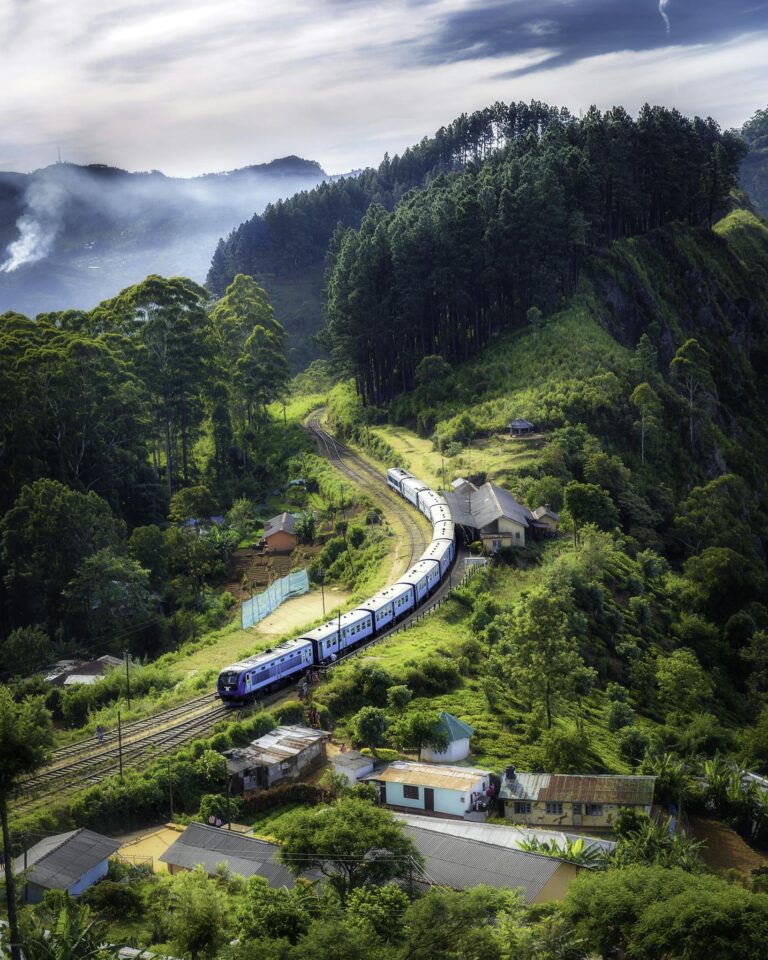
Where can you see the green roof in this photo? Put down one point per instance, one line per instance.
(457, 729)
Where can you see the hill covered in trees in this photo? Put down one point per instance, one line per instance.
(754, 170)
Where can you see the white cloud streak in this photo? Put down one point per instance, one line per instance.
(191, 85)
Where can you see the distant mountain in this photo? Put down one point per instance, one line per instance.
(73, 235)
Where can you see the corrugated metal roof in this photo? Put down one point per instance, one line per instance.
(278, 745)
(496, 834)
(478, 508)
(581, 788)
(430, 775)
(207, 847)
(457, 729)
(540, 512)
(285, 523)
(353, 760)
(60, 861)
(460, 863)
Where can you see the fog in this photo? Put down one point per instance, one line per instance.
(72, 236)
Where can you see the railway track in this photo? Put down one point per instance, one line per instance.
(81, 765)
(367, 477)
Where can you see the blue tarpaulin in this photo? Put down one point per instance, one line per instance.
(260, 606)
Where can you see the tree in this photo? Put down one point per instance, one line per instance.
(44, 537)
(64, 930)
(682, 683)
(419, 729)
(539, 659)
(398, 697)
(26, 736)
(588, 503)
(25, 651)
(447, 925)
(196, 923)
(646, 401)
(535, 319)
(690, 368)
(369, 726)
(191, 503)
(350, 842)
(266, 912)
(644, 360)
(379, 908)
(716, 514)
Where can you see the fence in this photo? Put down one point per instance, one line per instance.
(259, 606)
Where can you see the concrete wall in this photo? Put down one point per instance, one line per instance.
(453, 802)
(34, 893)
(539, 816)
(557, 886)
(281, 542)
(457, 750)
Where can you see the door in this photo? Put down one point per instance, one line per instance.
(383, 794)
(429, 798)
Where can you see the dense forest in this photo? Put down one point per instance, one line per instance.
(152, 406)
(466, 258)
(754, 170)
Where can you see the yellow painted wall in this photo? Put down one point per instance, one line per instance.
(557, 886)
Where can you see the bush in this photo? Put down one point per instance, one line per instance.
(620, 715)
(432, 675)
(292, 711)
(356, 536)
(114, 900)
(633, 744)
(219, 807)
(283, 795)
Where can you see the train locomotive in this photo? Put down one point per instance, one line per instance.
(264, 672)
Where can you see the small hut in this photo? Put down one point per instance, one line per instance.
(521, 428)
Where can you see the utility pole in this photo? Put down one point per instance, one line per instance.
(229, 792)
(341, 489)
(127, 678)
(442, 463)
(170, 787)
(322, 589)
(120, 743)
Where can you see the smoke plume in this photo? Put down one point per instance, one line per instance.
(663, 4)
(37, 227)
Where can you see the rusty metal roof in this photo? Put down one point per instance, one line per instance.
(283, 743)
(430, 775)
(580, 788)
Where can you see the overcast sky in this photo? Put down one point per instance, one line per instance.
(188, 86)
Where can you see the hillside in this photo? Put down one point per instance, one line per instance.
(672, 577)
(754, 170)
(73, 235)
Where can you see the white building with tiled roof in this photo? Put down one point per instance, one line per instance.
(459, 734)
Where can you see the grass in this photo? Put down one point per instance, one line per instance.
(265, 823)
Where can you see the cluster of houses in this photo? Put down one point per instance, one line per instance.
(442, 804)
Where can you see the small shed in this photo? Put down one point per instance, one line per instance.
(70, 862)
(207, 847)
(432, 788)
(521, 428)
(459, 734)
(281, 754)
(280, 533)
(545, 521)
(353, 765)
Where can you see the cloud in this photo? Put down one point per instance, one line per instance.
(192, 85)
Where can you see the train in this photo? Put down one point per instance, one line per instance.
(265, 672)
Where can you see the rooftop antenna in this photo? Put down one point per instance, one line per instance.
(59, 154)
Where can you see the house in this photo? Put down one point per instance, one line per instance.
(458, 741)
(69, 862)
(491, 515)
(461, 862)
(353, 765)
(281, 754)
(546, 520)
(207, 847)
(586, 801)
(450, 791)
(521, 428)
(66, 673)
(280, 534)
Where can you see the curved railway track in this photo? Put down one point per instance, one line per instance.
(367, 477)
(85, 763)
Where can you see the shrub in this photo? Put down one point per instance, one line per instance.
(633, 744)
(114, 900)
(432, 675)
(620, 715)
(282, 795)
(292, 711)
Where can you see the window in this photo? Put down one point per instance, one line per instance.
(594, 809)
(522, 806)
(410, 793)
(576, 809)
(554, 808)
(496, 545)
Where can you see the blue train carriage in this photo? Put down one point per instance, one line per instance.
(429, 501)
(244, 680)
(441, 512)
(442, 552)
(410, 488)
(395, 477)
(444, 530)
(356, 626)
(423, 577)
(324, 641)
(390, 605)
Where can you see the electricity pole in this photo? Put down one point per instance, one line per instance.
(127, 679)
(120, 743)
